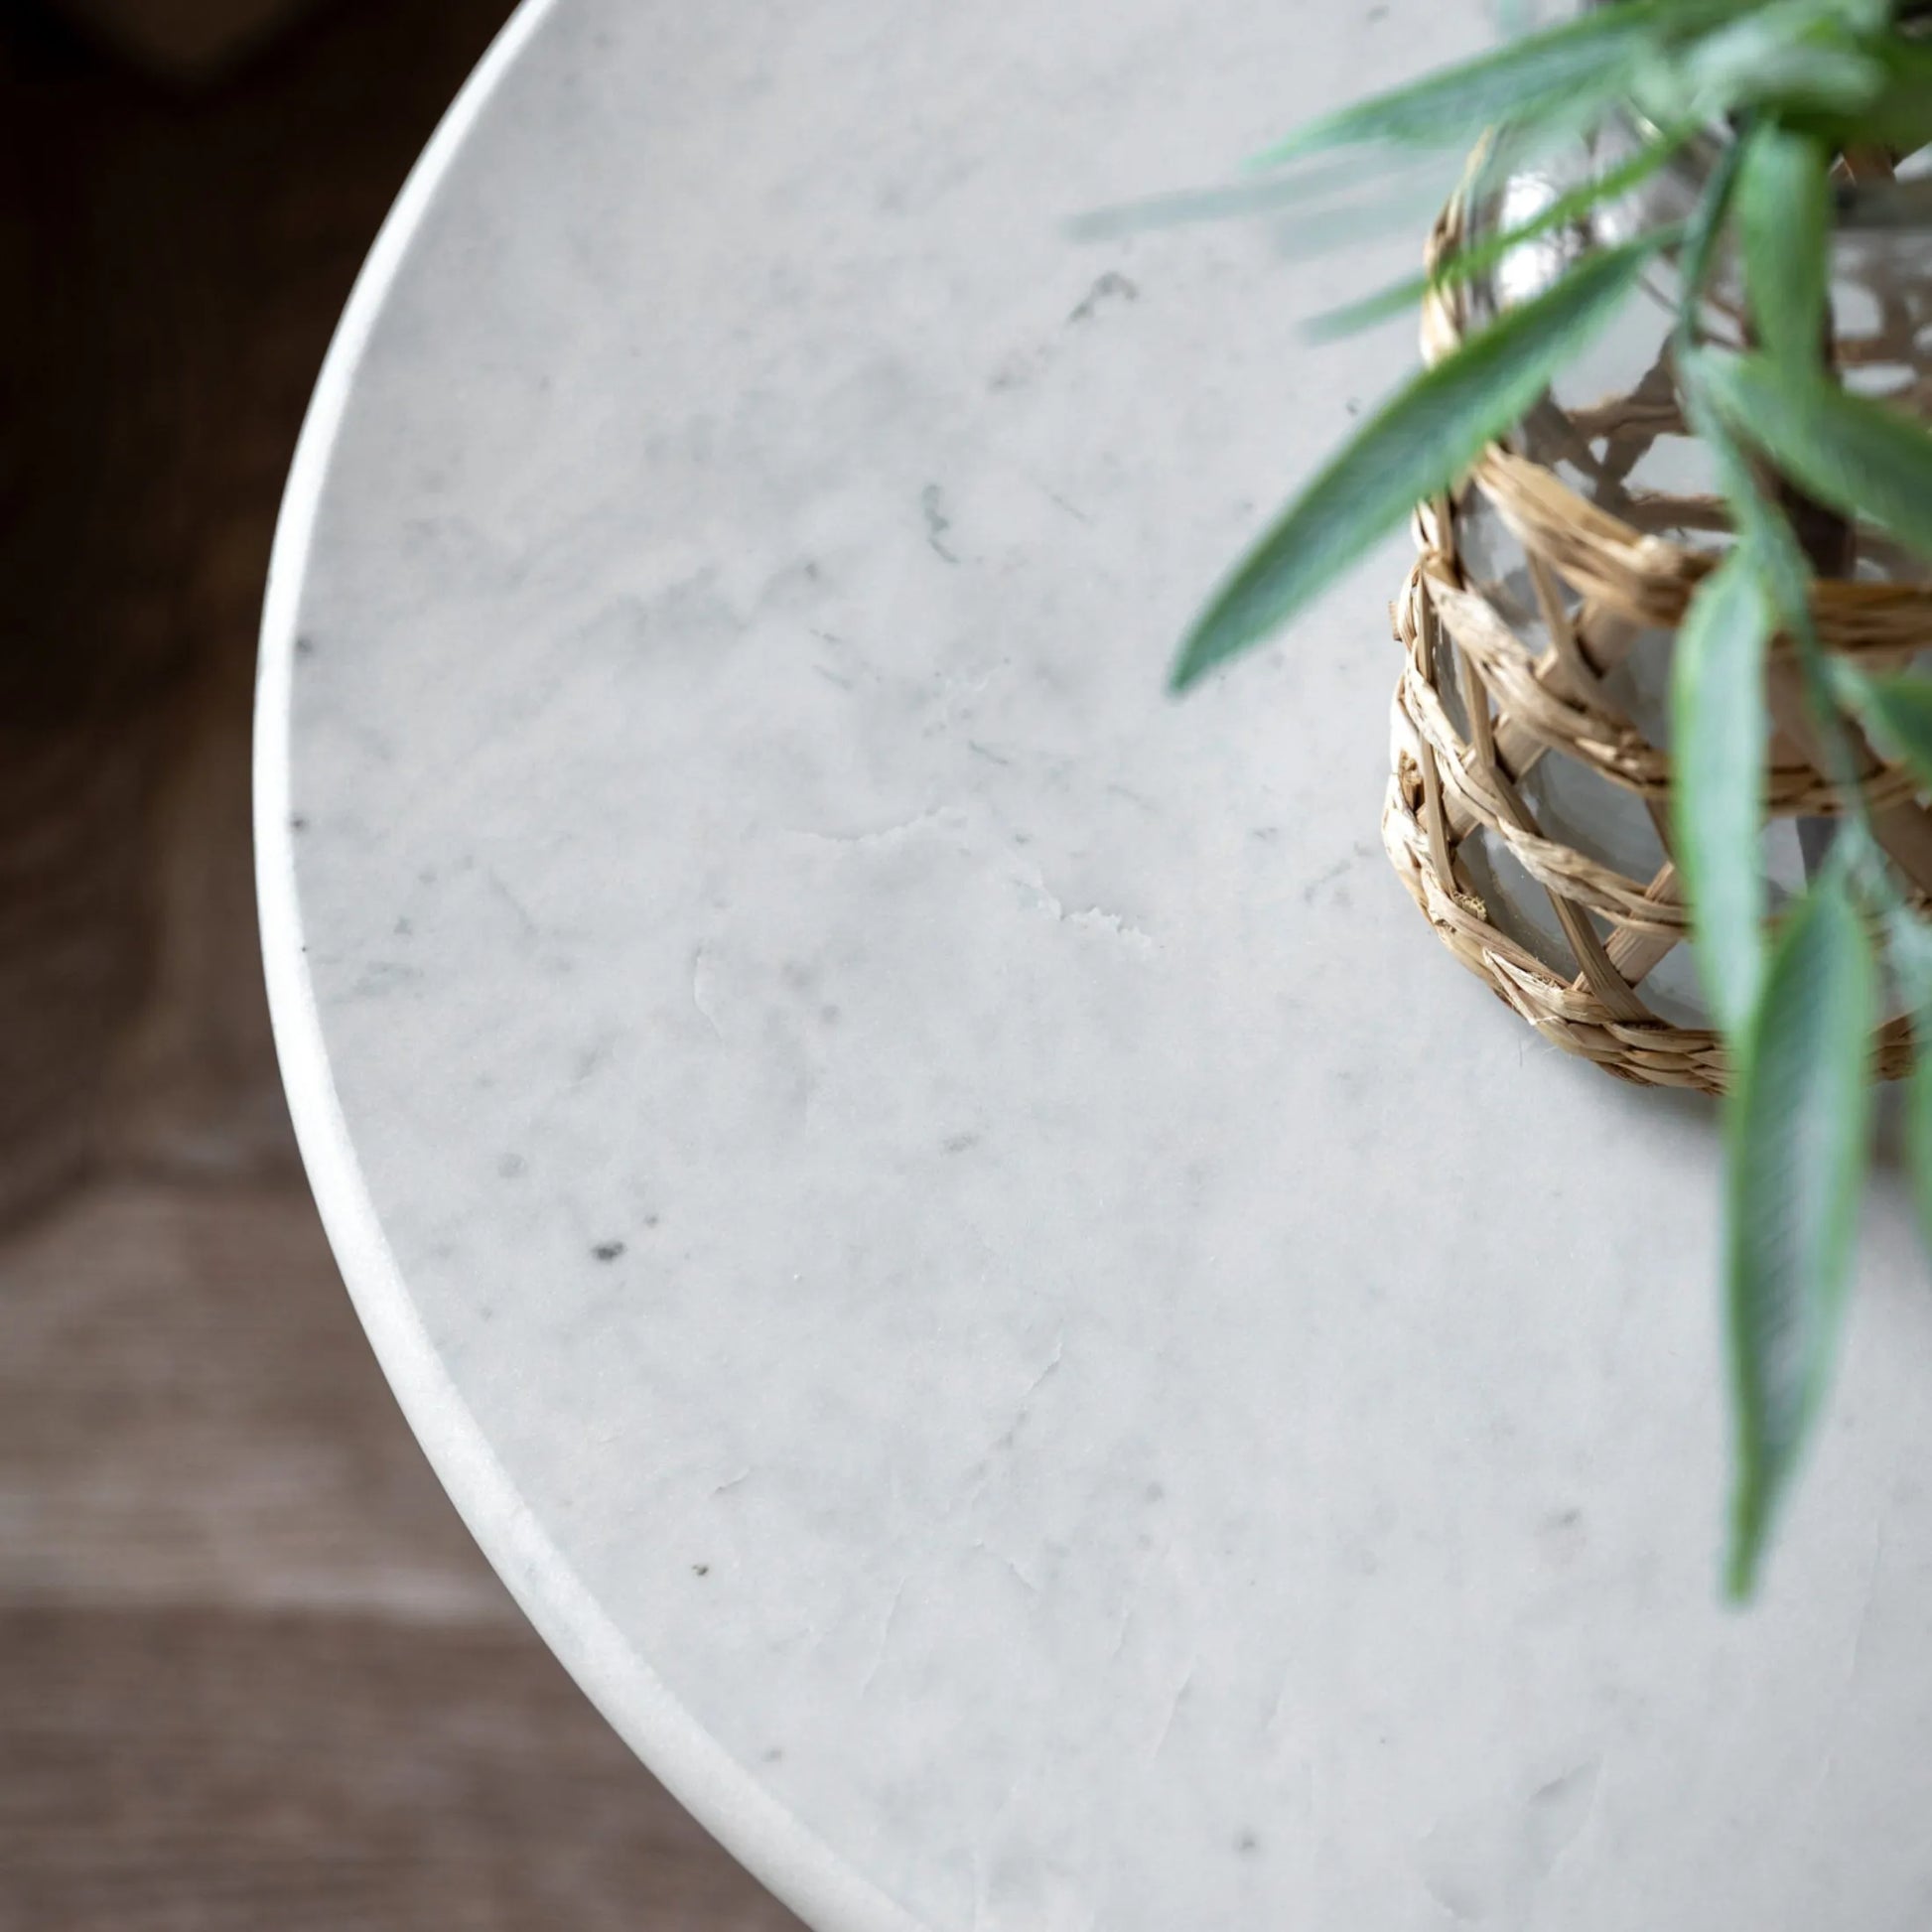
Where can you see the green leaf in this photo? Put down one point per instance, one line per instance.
(1857, 456)
(1717, 735)
(1864, 16)
(1420, 443)
(1798, 1131)
(1900, 116)
(1580, 65)
(1701, 239)
(1468, 263)
(1322, 207)
(1761, 527)
(1791, 56)
(1784, 211)
(1766, 534)
(1898, 709)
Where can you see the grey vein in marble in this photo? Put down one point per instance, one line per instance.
(1045, 1356)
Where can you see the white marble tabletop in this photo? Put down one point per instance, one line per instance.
(1036, 1345)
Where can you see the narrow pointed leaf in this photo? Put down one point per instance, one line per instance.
(1417, 445)
(1857, 456)
(1790, 59)
(1897, 707)
(1702, 233)
(1467, 264)
(1784, 211)
(1864, 16)
(1583, 64)
(1765, 535)
(1901, 115)
(1718, 735)
(1329, 205)
(1798, 1130)
(1762, 528)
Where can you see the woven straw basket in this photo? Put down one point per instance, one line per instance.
(1599, 582)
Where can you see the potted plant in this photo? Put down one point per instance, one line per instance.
(1683, 610)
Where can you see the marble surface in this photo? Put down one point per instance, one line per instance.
(1040, 1350)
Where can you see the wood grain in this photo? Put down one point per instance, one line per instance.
(253, 1675)
(189, 1415)
(185, 40)
(221, 1771)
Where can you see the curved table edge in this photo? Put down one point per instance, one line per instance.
(753, 1825)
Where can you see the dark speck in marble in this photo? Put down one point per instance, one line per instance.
(1326, 876)
(650, 1220)
(384, 976)
(1562, 1536)
(1462, 1906)
(305, 646)
(1059, 502)
(1247, 1844)
(776, 1756)
(404, 928)
(701, 1570)
(933, 505)
(1113, 285)
(607, 1250)
(519, 910)
(960, 1142)
(1017, 371)
(1155, 1493)
(297, 823)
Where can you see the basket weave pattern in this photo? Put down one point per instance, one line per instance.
(1524, 700)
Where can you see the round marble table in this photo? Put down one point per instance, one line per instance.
(1037, 1347)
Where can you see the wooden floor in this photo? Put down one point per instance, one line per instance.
(252, 1673)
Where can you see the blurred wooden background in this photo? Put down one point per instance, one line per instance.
(252, 1673)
